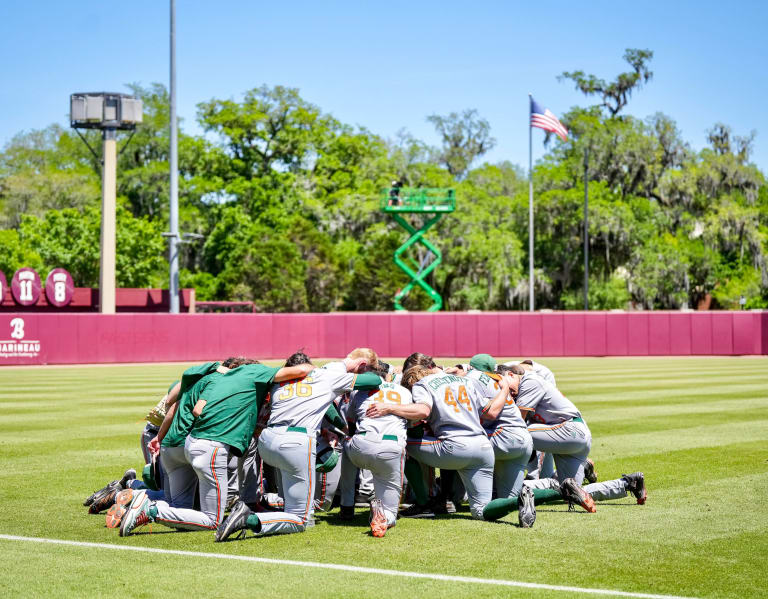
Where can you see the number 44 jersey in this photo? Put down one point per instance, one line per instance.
(456, 402)
(387, 393)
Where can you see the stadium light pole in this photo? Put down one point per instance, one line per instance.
(108, 112)
(173, 159)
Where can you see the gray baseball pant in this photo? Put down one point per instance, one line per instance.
(541, 465)
(569, 442)
(209, 460)
(471, 456)
(181, 476)
(385, 460)
(293, 453)
(249, 473)
(512, 447)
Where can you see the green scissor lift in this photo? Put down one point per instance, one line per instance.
(399, 201)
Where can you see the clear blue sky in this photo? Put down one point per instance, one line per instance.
(387, 65)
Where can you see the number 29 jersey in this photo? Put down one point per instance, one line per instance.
(388, 393)
(456, 403)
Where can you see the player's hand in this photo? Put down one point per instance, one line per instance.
(154, 446)
(377, 410)
(331, 437)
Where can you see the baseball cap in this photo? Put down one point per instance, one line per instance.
(483, 362)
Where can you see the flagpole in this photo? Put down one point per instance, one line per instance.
(530, 207)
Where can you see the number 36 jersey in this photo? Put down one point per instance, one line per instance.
(456, 402)
(388, 393)
(303, 402)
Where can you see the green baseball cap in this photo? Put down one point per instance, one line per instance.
(149, 474)
(483, 362)
(327, 460)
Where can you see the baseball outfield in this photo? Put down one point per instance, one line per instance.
(697, 428)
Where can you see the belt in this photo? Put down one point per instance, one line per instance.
(383, 437)
(290, 429)
(577, 419)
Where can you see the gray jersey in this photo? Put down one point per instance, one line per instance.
(510, 414)
(388, 393)
(456, 404)
(544, 400)
(304, 402)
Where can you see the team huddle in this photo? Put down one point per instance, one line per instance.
(273, 445)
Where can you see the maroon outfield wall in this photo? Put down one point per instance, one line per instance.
(67, 338)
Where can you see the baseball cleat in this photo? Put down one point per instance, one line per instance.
(231, 501)
(104, 498)
(114, 516)
(526, 510)
(117, 511)
(418, 511)
(347, 512)
(274, 501)
(91, 498)
(236, 521)
(137, 513)
(128, 476)
(378, 519)
(636, 485)
(589, 471)
(450, 507)
(574, 494)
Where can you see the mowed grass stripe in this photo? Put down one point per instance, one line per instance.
(600, 413)
(692, 474)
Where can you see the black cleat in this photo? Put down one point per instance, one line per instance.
(104, 498)
(636, 485)
(526, 510)
(347, 512)
(590, 474)
(574, 494)
(128, 476)
(418, 511)
(237, 520)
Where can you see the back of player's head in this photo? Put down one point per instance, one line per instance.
(414, 374)
(382, 369)
(513, 369)
(297, 359)
(418, 359)
(365, 352)
(529, 362)
(235, 361)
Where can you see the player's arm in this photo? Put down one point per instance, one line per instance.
(529, 394)
(293, 372)
(367, 381)
(419, 410)
(496, 405)
(334, 418)
(154, 444)
(414, 411)
(173, 395)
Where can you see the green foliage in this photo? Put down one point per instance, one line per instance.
(70, 239)
(615, 95)
(286, 198)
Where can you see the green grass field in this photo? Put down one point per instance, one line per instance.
(697, 427)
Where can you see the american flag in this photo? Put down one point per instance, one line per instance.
(544, 119)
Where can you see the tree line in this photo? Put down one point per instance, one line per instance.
(287, 199)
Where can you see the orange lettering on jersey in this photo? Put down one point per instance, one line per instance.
(450, 400)
(464, 398)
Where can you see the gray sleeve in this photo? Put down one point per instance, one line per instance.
(529, 394)
(421, 395)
